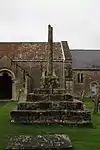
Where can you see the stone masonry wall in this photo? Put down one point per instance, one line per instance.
(6, 63)
(68, 76)
(89, 76)
(35, 70)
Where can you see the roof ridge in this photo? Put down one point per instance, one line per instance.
(84, 49)
(25, 42)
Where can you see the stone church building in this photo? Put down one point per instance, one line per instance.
(22, 64)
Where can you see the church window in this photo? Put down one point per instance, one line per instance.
(24, 75)
(80, 77)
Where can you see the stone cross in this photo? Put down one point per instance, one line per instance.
(50, 51)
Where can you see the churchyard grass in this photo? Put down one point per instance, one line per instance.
(82, 138)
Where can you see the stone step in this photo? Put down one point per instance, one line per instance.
(48, 91)
(47, 116)
(53, 97)
(50, 122)
(58, 105)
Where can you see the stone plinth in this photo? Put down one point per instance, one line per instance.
(51, 108)
(45, 91)
(51, 116)
(47, 142)
(50, 105)
(51, 97)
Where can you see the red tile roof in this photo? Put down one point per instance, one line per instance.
(26, 50)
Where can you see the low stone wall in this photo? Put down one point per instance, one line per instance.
(59, 105)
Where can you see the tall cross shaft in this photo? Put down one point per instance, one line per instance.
(50, 51)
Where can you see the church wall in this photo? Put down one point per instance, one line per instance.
(20, 80)
(35, 70)
(89, 76)
(6, 63)
(68, 76)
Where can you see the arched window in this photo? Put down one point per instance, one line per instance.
(80, 77)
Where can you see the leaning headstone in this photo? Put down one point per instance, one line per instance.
(47, 142)
(96, 103)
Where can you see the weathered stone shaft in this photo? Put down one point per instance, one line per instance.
(50, 51)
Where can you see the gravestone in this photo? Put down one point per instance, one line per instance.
(47, 142)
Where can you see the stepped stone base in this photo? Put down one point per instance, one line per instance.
(48, 91)
(50, 97)
(50, 108)
(59, 105)
(51, 116)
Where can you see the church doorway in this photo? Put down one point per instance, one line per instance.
(5, 86)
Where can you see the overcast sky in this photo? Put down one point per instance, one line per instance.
(77, 21)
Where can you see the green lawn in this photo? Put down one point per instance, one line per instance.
(82, 138)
